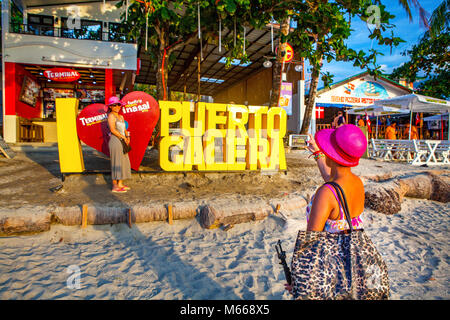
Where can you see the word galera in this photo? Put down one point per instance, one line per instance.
(251, 137)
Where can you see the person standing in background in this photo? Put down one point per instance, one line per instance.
(361, 122)
(391, 131)
(339, 120)
(414, 132)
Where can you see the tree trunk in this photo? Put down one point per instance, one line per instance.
(161, 85)
(278, 64)
(276, 80)
(311, 100)
(159, 76)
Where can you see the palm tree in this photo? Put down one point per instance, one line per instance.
(406, 4)
(440, 18)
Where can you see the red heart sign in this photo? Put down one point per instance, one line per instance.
(92, 127)
(140, 110)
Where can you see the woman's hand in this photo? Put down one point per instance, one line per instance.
(312, 146)
(127, 140)
(288, 288)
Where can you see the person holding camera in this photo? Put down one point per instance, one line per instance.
(333, 257)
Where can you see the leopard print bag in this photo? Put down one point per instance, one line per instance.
(338, 265)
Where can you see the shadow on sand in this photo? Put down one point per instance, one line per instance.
(182, 276)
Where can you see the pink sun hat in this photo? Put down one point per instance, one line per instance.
(345, 145)
(114, 100)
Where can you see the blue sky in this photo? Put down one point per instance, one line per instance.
(406, 30)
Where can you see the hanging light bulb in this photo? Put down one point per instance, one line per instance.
(267, 64)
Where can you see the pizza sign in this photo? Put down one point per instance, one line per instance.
(289, 53)
(62, 74)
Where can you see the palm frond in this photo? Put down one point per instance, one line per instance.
(440, 18)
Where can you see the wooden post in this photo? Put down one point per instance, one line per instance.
(129, 218)
(84, 216)
(277, 208)
(169, 212)
(198, 77)
(421, 126)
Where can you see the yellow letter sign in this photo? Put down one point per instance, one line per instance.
(221, 137)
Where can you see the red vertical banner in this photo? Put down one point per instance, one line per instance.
(10, 88)
(138, 66)
(109, 85)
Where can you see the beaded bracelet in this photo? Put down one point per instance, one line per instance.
(319, 155)
(314, 153)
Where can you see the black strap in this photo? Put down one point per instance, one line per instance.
(343, 200)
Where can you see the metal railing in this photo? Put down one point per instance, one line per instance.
(83, 33)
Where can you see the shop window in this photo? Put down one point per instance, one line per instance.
(89, 30)
(40, 25)
(117, 32)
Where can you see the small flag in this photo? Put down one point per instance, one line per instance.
(417, 119)
(320, 113)
(368, 123)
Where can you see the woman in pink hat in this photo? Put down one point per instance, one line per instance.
(120, 162)
(336, 152)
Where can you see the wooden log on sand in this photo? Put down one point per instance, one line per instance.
(386, 197)
(223, 213)
(71, 216)
(24, 221)
(216, 214)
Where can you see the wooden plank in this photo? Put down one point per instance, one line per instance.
(6, 150)
(129, 218)
(84, 216)
(169, 212)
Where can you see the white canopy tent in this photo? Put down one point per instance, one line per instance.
(415, 103)
(437, 117)
(376, 111)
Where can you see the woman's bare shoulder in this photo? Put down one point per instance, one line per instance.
(323, 192)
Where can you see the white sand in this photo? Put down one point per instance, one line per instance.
(184, 261)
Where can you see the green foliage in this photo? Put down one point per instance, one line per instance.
(323, 29)
(430, 57)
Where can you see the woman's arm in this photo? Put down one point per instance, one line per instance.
(112, 127)
(325, 170)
